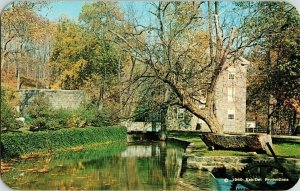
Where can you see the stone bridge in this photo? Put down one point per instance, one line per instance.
(142, 127)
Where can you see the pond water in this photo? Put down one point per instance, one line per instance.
(139, 166)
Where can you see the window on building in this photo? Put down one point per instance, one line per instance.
(231, 94)
(231, 76)
(231, 114)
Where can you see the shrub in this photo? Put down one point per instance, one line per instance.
(103, 117)
(43, 117)
(76, 121)
(90, 115)
(8, 115)
(61, 117)
(39, 107)
(16, 144)
(8, 118)
(84, 116)
(40, 112)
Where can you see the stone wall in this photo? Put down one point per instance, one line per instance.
(58, 98)
(234, 162)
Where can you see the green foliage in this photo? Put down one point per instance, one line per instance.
(8, 115)
(142, 113)
(151, 103)
(79, 55)
(43, 116)
(40, 112)
(277, 58)
(90, 115)
(16, 144)
(61, 117)
(39, 107)
(103, 117)
(85, 114)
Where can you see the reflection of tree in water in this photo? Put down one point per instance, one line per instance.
(105, 169)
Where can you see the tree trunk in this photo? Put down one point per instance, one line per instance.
(3, 56)
(210, 30)
(246, 143)
(164, 111)
(101, 95)
(206, 115)
(18, 79)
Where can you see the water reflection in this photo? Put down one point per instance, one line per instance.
(153, 166)
(141, 151)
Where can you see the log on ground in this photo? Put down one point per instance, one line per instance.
(246, 143)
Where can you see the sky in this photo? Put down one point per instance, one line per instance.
(71, 9)
(57, 9)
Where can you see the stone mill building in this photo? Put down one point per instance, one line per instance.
(229, 102)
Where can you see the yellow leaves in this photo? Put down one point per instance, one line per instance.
(293, 103)
(5, 167)
(74, 69)
(12, 97)
(185, 11)
(23, 21)
(56, 85)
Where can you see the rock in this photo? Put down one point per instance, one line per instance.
(247, 143)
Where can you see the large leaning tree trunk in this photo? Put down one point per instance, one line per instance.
(175, 54)
(177, 49)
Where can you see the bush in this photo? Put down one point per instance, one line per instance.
(8, 118)
(39, 107)
(90, 115)
(83, 116)
(16, 144)
(8, 115)
(40, 112)
(43, 117)
(103, 117)
(61, 117)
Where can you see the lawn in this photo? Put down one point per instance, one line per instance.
(283, 147)
(287, 147)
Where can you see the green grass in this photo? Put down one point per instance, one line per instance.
(287, 148)
(283, 147)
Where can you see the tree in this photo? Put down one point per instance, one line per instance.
(274, 88)
(168, 53)
(82, 60)
(24, 39)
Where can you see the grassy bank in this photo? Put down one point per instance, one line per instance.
(283, 147)
(16, 144)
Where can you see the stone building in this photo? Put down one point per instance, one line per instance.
(229, 103)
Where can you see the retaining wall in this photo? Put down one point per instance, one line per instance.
(58, 98)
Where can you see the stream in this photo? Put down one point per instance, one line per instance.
(138, 166)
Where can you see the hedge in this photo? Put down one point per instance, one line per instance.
(16, 144)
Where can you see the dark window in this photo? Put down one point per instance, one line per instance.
(230, 116)
(231, 76)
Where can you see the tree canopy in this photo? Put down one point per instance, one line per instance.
(174, 58)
